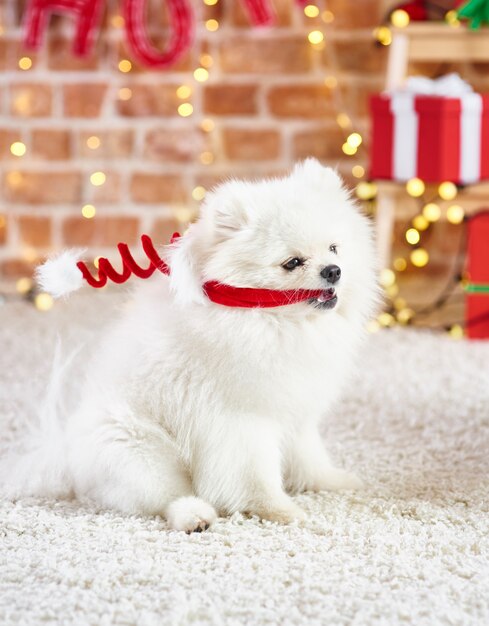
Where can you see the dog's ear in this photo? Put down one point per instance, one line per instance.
(314, 173)
(184, 258)
(226, 211)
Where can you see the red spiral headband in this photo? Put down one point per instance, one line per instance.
(244, 297)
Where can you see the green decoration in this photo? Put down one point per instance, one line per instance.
(476, 288)
(476, 11)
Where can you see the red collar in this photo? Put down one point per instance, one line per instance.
(226, 295)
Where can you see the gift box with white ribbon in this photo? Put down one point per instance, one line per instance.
(435, 130)
(477, 286)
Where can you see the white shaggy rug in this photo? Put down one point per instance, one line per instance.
(411, 548)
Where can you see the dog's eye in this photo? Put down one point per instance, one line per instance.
(333, 248)
(292, 264)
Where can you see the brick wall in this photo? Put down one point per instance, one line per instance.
(264, 105)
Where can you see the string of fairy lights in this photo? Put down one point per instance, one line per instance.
(322, 21)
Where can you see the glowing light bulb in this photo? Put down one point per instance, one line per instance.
(400, 264)
(412, 236)
(456, 332)
(206, 60)
(97, 179)
(366, 190)
(211, 3)
(185, 109)
(93, 142)
(387, 277)
(400, 18)
(198, 193)
(212, 25)
(383, 35)
(125, 66)
(201, 74)
(315, 36)
(117, 21)
(43, 302)
(431, 212)
(348, 150)
(25, 63)
(184, 92)
(415, 187)
(419, 257)
(386, 319)
(18, 149)
(358, 171)
(455, 214)
(88, 211)
(24, 285)
(331, 82)
(451, 18)
(420, 222)
(327, 16)
(343, 120)
(354, 140)
(125, 93)
(206, 158)
(404, 316)
(207, 125)
(311, 10)
(447, 190)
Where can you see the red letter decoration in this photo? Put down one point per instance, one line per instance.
(182, 24)
(260, 12)
(87, 13)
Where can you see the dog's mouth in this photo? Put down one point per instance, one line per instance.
(327, 300)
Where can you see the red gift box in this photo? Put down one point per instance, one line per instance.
(430, 137)
(477, 298)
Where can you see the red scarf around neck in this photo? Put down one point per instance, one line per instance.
(226, 295)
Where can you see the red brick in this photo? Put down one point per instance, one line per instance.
(157, 188)
(230, 99)
(34, 231)
(11, 269)
(251, 145)
(356, 95)
(358, 14)
(83, 99)
(3, 229)
(100, 231)
(109, 192)
(358, 56)
(163, 228)
(304, 101)
(51, 145)
(61, 57)
(114, 143)
(7, 138)
(174, 145)
(322, 142)
(30, 100)
(285, 55)
(150, 100)
(43, 187)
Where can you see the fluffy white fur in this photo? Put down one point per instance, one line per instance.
(192, 408)
(60, 276)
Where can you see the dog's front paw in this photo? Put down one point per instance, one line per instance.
(283, 512)
(190, 514)
(335, 479)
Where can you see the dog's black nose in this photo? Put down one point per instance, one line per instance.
(331, 273)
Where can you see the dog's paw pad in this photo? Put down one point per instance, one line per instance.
(190, 514)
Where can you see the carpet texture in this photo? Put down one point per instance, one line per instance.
(411, 548)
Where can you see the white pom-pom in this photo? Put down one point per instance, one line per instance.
(60, 275)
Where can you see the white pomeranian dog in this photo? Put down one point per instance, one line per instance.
(192, 409)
